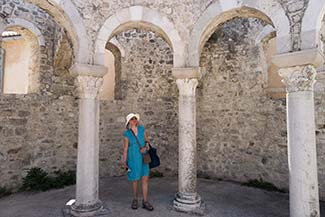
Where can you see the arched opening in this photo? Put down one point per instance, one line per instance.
(112, 80)
(147, 87)
(21, 61)
(240, 128)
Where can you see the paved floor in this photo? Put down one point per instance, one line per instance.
(221, 199)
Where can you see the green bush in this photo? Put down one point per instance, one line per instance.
(4, 192)
(36, 179)
(64, 178)
(39, 180)
(156, 173)
(260, 183)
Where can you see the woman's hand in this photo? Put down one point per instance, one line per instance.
(124, 166)
(143, 150)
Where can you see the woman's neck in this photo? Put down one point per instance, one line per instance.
(134, 127)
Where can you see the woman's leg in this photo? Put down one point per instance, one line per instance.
(144, 181)
(135, 189)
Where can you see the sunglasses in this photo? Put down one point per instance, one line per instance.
(134, 118)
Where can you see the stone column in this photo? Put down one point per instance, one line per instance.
(187, 198)
(304, 199)
(2, 56)
(90, 79)
(302, 158)
(2, 67)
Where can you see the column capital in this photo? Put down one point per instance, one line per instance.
(188, 72)
(89, 86)
(298, 78)
(79, 69)
(187, 87)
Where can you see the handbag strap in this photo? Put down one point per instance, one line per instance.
(136, 139)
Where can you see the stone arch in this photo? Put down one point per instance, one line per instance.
(65, 13)
(311, 24)
(221, 11)
(138, 16)
(27, 25)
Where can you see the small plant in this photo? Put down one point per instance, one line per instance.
(4, 192)
(156, 173)
(64, 178)
(260, 183)
(36, 179)
(39, 180)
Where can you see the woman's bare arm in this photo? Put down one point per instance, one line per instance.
(125, 152)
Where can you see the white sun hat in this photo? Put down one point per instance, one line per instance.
(130, 116)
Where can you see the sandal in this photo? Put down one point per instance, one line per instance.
(146, 205)
(134, 204)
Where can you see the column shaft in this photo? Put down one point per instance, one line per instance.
(187, 153)
(187, 198)
(2, 67)
(88, 151)
(304, 199)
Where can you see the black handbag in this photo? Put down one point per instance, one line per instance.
(155, 161)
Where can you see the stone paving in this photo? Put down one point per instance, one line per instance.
(221, 199)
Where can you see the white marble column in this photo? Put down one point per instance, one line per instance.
(304, 198)
(89, 79)
(2, 66)
(2, 56)
(187, 199)
(298, 72)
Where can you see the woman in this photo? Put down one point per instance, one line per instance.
(134, 136)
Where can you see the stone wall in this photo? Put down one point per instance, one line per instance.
(241, 131)
(183, 14)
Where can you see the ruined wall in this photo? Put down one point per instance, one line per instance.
(39, 129)
(241, 131)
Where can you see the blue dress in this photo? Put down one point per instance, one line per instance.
(134, 158)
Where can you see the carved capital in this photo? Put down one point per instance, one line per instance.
(89, 86)
(298, 78)
(187, 87)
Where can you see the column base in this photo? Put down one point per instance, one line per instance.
(188, 202)
(96, 210)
